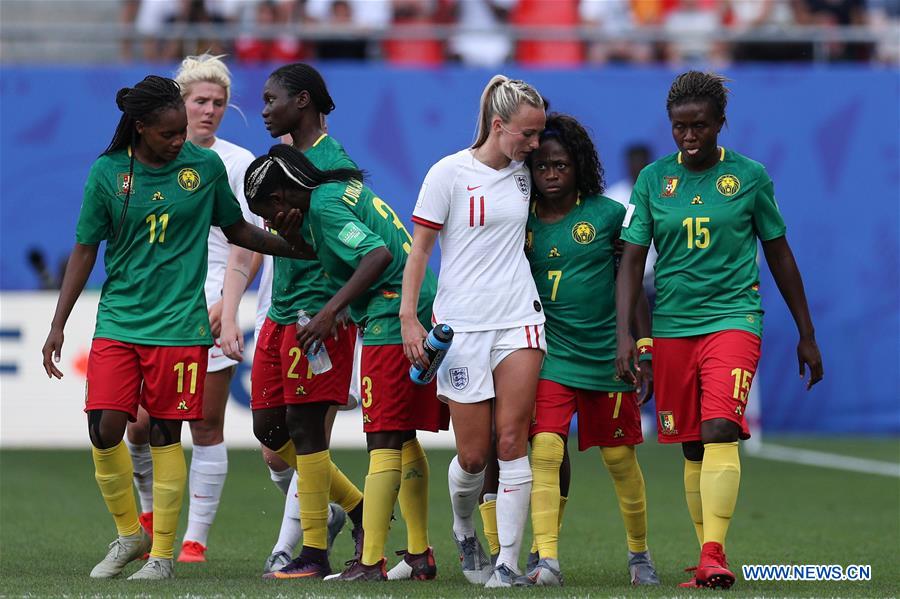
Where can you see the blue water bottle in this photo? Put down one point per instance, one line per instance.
(436, 345)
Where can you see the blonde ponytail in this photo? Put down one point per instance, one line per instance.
(502, 97)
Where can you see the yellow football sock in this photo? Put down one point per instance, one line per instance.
(313, 483)
(343, 492)
(534, 547)
(623, 467)
(547, 451)
(113, 471)
(414, 496)
(382, 487)
(720, 480)
(488, 511)
(692, 496)
(286, 452)
(169, 476)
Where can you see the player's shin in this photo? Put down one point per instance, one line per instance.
(414, 495)
(313, 484)
(113, 472)
(382, 486)
(513, 497)
(546, 457)
(628, 480)
(169, 476)
(720, 480)
(692, 495)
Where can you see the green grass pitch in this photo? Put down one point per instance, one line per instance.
(54, 528)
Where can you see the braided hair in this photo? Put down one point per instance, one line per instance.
(298, 77)
(285, 165)
(695, 86)
(144, 102)
(589, 173)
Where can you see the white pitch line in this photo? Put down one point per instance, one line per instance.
(809, 457)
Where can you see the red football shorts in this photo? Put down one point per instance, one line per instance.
(700, 378)
(605, 418)
(281, 374)
(390, 400)
(167, 381)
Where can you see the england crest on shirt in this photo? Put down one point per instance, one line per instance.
(523, 185)
(459, 378)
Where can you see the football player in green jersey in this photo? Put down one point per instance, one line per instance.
(705, 207)
(152, 198)
(362, 246)
(570, 245)
(293, 410)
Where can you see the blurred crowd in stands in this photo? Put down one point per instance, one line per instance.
(690, 29)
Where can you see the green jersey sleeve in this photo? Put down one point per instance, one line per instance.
(767, 220)
(337, 228)
(94, 220)
(226, 210)
(637, 226)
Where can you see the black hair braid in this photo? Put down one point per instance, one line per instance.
(298, 77)
(589, 173)
(285, 165)
(143, 102)
(694, 86)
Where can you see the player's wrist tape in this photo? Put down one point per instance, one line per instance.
(645, 349)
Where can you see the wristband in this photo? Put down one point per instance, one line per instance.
(645, 349)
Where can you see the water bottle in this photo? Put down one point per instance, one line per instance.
(317, 355)
(436, 345)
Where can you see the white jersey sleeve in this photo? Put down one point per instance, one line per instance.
(433, 204)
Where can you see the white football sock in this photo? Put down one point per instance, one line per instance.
(465, 488)
(291, 531)
(282, 478)
(209, 465)
(513, 497)
(142, 463)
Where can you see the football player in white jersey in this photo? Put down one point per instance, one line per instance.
(476, 202)
(206, 88)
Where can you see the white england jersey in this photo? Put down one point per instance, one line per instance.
(485, 282)
(236, 160)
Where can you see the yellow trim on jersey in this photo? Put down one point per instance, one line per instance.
(321, 137)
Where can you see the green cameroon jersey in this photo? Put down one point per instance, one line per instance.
(301, 284)
(346, 221)
(156, 261)
(574, 269)
(705, 226)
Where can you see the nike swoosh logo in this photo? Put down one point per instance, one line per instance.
(510, 490)
(202, 496)
(472, 188)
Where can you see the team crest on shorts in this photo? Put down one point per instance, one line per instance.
(670, 184)
(667, 423)
(459, 378)
(728, 185)
(583, 232)
(188, 179)
(524, 187)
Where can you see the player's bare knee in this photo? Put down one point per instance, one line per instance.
(206, 432)
(693, 451)
(719, 430)
(384, 440)
(106, 428)
(512, 443)
(164, 432)
(471, 460)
